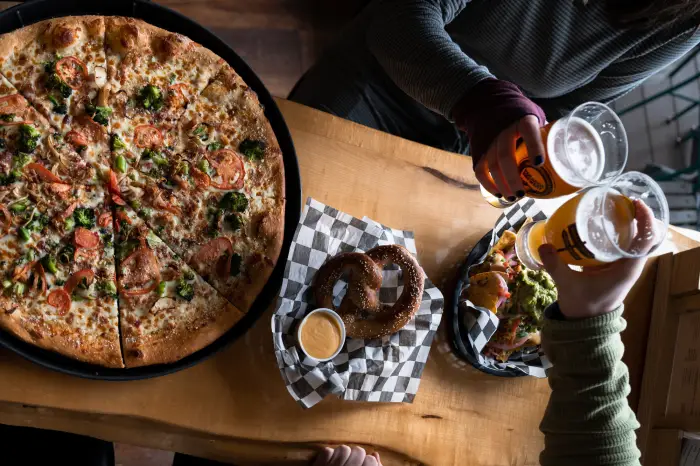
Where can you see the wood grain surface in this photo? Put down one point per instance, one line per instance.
(238, 400)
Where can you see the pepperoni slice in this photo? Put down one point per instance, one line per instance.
(76, 139)
(147, 136)
(140, 267)
(85, 238)
(229, 166)
(44, 173)
(14, 104)
(75, 279)
(72, 71)
(213, 250)
(104, 220)
(60, 299)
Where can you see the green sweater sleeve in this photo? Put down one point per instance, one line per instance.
(588, 420)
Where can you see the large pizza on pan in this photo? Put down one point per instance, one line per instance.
(141, 191)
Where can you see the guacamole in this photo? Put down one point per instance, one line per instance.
(535, 291)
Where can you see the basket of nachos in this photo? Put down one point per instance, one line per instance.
(518, 296)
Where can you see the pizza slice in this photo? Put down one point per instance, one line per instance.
(59, 292)
(231, 238)
(59, 65)
(153, 75)
(225, 135)
(167, 310)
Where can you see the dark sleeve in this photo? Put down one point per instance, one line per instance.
(624, 74)
(588, 420)
(408, 39)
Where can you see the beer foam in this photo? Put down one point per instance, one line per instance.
(581, 158)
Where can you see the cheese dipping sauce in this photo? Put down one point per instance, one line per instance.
(321, 335)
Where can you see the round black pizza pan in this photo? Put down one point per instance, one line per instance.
(38, 10)
(457, 329)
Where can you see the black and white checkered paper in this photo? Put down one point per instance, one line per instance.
(480, 324)
(387, 369)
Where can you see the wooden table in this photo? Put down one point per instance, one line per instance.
(235, 406)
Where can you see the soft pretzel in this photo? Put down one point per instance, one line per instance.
(360, 309)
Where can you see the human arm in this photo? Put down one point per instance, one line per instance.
(588, 420)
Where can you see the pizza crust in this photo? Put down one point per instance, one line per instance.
(60, 338)
(167, 347)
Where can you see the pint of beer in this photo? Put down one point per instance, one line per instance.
(587, 147)
(600, 225)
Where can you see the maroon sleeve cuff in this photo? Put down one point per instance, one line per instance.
(490, 107)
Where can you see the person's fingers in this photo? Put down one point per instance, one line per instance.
(370, 461)
(357, 457)
(529, 129)
(323, 457)
(506, 160)
(379, 460)
(646, 235)
(559, 271)
(340, 456)
(482, 174)
(495, 169)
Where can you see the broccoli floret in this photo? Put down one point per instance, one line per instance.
(108, 288)
(189, 275)
(7, 117)
(84, 217)
(234, 202)
(20, 160)
(99, 114)
(214, 146)
(201, 132)
(117, 142)
(3, 143)
(28, 138)
(151, 97)
(59, 107)
(54, 82)
(254, 150)
(234, 222)
(236, 261)
(185, 290)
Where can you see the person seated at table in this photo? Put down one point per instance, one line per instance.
(474, 76)
(588, 420)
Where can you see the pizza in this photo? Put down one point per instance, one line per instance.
(142, 192)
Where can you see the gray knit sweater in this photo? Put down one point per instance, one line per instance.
(560, 52)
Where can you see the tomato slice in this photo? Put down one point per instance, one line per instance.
(76, 139)
(72, 71)
(229, 166)
(75, 279)
(44, 173)
(113, 185)
(213, 250)
(85, 238)
(104, 220)
(147, 136)
(60, 299)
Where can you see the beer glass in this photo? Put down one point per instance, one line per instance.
(599, 225)
(588, 147)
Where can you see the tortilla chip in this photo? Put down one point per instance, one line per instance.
(506, 241)
(484, 290)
